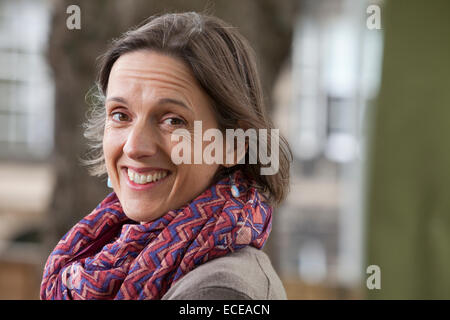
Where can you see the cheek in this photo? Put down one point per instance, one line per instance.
(112, 146)
(178, 146)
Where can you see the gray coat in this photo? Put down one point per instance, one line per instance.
(246, 274)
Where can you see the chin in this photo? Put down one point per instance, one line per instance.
(141, 217)
(138, 214)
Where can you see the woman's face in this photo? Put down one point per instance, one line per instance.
(149, 96)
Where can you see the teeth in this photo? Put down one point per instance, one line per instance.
(143, 179)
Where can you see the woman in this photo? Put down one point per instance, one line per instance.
(174, 231)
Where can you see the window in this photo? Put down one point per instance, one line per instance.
(26, 89)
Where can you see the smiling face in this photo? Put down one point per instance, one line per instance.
(149, 96)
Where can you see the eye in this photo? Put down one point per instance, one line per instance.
(120, 117)
(174, 121)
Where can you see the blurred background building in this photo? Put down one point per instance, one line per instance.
(322, 65)
(332, 77)
(26, 143)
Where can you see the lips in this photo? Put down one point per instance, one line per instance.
(144, 178)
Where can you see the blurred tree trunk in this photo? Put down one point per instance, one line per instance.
(72, 54)
(409, 171)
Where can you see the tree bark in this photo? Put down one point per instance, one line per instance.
(409, 175)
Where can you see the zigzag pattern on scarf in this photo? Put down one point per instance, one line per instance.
(108, 256)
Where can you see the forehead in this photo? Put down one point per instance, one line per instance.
(148, 71)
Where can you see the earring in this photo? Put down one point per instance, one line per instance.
(108, 183)
(234, 189)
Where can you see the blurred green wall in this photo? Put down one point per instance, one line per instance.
(408, 199)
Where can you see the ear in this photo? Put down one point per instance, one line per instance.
(237, 154)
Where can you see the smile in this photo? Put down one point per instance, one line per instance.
(144, 180)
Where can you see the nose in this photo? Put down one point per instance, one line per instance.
(141, 142)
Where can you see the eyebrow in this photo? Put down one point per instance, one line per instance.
(160, 101)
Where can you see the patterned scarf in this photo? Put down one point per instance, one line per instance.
(108, 256)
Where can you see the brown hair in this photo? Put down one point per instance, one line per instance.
(225, 66)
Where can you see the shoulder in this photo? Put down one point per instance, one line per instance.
(246, 274)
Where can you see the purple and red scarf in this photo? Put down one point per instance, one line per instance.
(108, 256)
